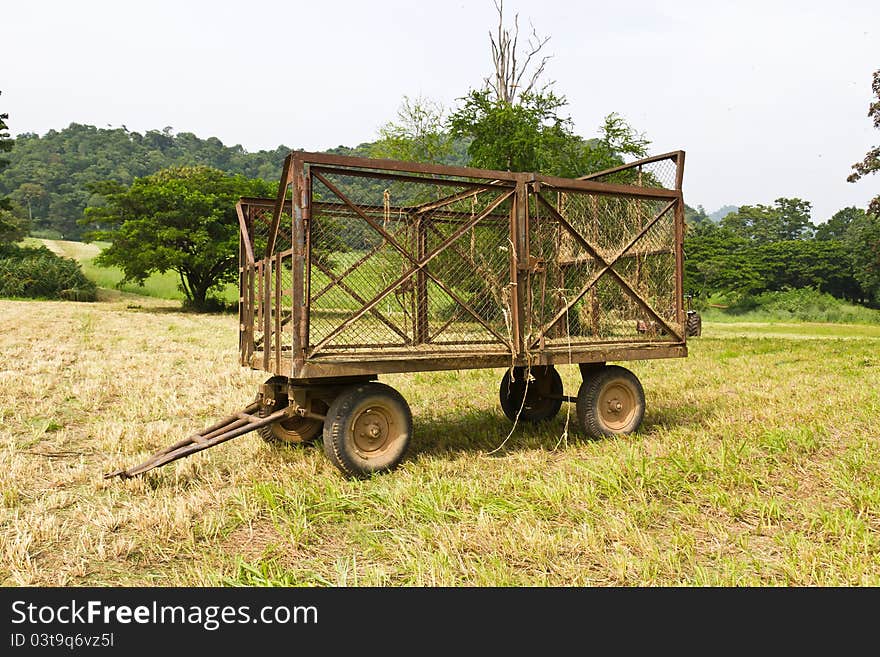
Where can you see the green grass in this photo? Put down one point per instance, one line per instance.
(757, 464)
(795, 330)
(160, 286)
(806, 304)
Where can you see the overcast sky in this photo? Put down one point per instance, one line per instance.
(768, 99)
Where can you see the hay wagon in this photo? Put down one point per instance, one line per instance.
(363, 267)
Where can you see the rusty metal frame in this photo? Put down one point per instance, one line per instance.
(674, 156)
(285, 346)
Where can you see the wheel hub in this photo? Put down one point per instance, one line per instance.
(616, 405)
(371, 430)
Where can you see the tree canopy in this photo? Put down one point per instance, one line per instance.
(12, 224)
(761, 249)
(871, 163)
(786, 219)
(49, 176)
(418, 134)
(179, 219)
(515, 122)
(526, 136)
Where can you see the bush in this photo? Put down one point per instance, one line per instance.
(37, 273)
(805, 304)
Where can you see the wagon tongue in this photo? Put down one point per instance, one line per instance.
(230, 427)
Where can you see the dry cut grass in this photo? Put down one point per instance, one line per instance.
(758, 464)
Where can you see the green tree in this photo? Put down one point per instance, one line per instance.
(863, 245)
(798, 264)
(695, 216)
(787, 219)
(65, 162)
(871, 163)
(418, 135)
(579, 157)
(515, 121)
(526, 136)
(179, 219)
(28, 193)
(838, 225)
(12, 224)
(713, 262)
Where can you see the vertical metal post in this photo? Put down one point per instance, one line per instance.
(259, 301)
(278, 307)
(679, 261)
(421, 314)
(679, 243)
(519, 231)
(299, 316)
(242, 336)
(267, 311)
(307, 300)
(679, 169)
(249, 316)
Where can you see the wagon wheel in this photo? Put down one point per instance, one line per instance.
(543, 394)
(610, 402)
(693, 324)
(367, 429)
(295, 429)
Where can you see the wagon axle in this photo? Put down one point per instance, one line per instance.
(368, 425)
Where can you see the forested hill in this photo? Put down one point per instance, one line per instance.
(48, 175)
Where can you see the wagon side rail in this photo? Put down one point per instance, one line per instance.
(665, 171)
(264, 280)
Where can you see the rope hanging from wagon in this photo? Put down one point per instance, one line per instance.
(386, 202)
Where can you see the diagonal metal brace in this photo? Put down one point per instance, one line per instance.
(231, 427)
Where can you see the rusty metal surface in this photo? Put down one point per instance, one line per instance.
(363, 265)
(230, 427)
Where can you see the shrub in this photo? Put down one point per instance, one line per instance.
(798, 304)
(37, 273)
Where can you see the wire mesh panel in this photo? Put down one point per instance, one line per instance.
(658, 172)
(602, 269)
(407, 263)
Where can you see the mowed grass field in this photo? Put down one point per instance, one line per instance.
(758, 464)
(160, 286)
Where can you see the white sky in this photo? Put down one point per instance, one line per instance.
(768, 99)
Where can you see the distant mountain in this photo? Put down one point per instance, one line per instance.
(722, 212)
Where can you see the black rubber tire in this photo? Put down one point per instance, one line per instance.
(357, 411)
(693, 325)
(610, 402)
(537, 406)
(294, 430)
